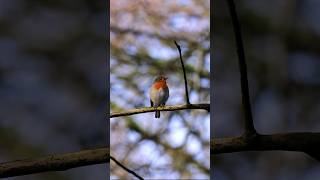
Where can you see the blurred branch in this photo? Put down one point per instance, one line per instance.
(152, 35)
(165, 108)
(179, 152)
(125, 168)
(249, 126)
(295, 37)
(58, 162)
(184, 74)
(146, 59)
(304, 142)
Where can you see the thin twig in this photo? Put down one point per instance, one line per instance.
(164, 108)
(125, 168)
(249, 126)
(184, 74)
(58, 162)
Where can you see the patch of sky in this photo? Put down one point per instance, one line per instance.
(206, 132)
(205, 83)
(184, 2)
(124, 19)
(119, 96)
(113, 79)
(206, 44)
(166, 175)
(193, 145)
(192, 59)
(176, 123)
(159, 51)
(146, 152)
(142, 122)
(207, 62)
(181, 21)
(177, 133)
(131, 49)
(162, 160)
(133, 136)
(194, 97)
(177, 95)
(144, 70)
(124, 70)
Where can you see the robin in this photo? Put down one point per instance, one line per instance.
(159, 93)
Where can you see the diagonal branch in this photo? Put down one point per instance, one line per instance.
(304, 142)
(58, 162)
(165, 108)
(125, 168)
(249, 126)
(184, 74)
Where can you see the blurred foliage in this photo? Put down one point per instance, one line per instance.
(281, 44)
(142, 35)
(52, 81)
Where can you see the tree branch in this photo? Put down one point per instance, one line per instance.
(303, 142)
(125, 168)
(306, 142)
(249, 126)
(58, 162)
(184, 74)
(165, 108)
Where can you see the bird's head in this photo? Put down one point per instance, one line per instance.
(161, 78)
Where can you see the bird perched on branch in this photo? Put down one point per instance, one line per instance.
(159, 93)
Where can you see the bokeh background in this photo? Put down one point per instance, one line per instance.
(53, 81)
(142, 35)
(281, 40)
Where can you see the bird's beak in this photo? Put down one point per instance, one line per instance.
(165, 78)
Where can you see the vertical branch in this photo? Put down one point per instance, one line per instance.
(184, 74)
(249, 126)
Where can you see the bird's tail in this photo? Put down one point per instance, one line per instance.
(157, 114)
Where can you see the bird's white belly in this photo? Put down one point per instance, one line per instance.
(158, 97)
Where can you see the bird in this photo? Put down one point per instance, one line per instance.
(159, 93)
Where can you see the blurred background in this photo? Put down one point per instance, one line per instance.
(53, 82)
(281, 40)
(142, 35)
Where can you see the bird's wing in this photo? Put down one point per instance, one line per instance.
(166, 93)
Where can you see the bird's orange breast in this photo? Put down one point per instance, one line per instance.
(160, 84)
